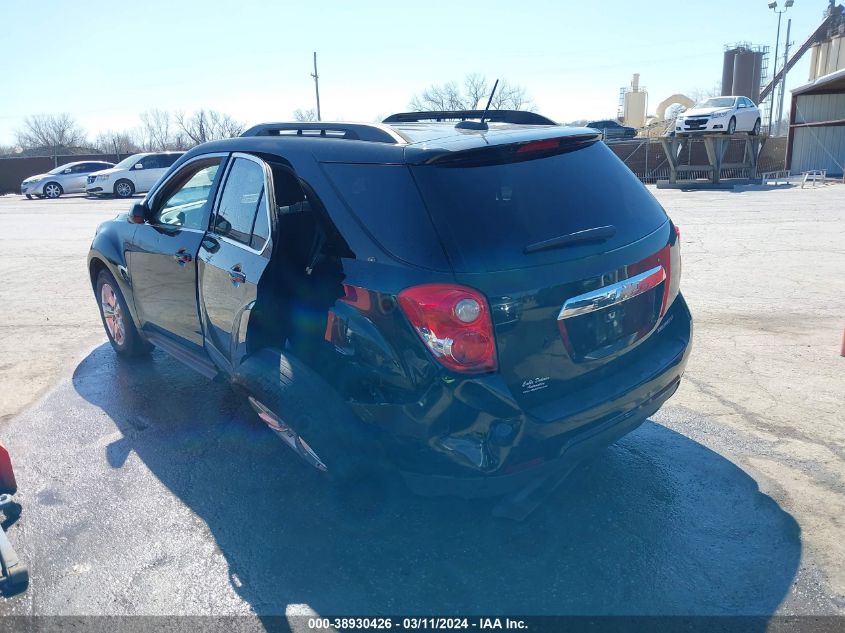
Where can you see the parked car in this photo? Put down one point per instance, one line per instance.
(467, 306)
(136, 174)
(720, 114)
(67, 178)
(613, 130)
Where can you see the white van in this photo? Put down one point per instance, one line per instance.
(136, 174)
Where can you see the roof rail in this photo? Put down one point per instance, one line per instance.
(519, 117)
(349, 131)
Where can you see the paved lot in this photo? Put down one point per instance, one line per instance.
(150, 490)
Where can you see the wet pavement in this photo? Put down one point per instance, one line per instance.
(150, 490)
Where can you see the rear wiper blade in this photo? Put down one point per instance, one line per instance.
(596, 234)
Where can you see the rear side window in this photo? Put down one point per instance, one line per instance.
(166, 160)
(242, 199)
(487, 214)
(386, 202)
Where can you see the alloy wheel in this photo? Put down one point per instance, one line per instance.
(112, 314)
(124, 190)
(52, 191)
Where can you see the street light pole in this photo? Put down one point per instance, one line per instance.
(774, 7)
(783, 83)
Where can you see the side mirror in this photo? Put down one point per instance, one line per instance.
(138, 166)
(66, 171)
(138, 213)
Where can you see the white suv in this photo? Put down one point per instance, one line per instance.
(136, 174)
(720, 114)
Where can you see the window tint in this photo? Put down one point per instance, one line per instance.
(388, 205)
(80, 169)
(261, 230)
(187, 201)
(151, 162)
(166, 160)
(487, 214)
(243, 196)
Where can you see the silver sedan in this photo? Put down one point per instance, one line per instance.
(67, 178)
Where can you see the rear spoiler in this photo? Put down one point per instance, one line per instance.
(505, 147)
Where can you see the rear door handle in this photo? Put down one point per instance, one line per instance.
(183, 257)
(236, 275)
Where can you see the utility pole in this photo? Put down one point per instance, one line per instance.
(774, 7)
(317, 85)
(783, 82)
(774, 75)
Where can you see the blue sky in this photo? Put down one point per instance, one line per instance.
(105, 62)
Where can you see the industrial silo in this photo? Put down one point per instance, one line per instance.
(728, 71)
(743, 83)
(754, 95)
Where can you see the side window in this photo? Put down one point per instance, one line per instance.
(186, 200)
(167, 160)
(151, 162)
(261, 230)
(243, 196)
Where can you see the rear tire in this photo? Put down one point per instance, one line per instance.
(124, 188)
(348, 453)
(53, 190)
(118, 323)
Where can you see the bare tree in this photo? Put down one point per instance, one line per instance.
(472, 94)
(111, 142)
(49, 131)
(208, 125)
(305, 115)
(155, 133)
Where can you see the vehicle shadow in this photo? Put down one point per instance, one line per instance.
(656, 524)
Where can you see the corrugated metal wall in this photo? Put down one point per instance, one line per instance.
(819, 147)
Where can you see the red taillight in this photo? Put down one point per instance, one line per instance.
(669, 257)
(454, 323)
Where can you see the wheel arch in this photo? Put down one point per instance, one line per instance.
(107, 253)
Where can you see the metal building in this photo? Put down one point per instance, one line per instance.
(817, 126)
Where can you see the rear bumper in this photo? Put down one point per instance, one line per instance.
(577, 448)
(473, 440)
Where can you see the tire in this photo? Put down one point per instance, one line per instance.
(28, 197)
(52, 190)
(124, 188)
(293, 400)
(756, 130)
(731, 126)
(120, 329)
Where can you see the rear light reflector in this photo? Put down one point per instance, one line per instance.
(455, 325)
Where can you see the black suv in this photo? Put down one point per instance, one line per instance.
(476, 306)
(613, 130)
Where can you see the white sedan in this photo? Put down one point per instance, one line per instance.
(720, 114)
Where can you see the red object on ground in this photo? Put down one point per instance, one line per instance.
(7, 476)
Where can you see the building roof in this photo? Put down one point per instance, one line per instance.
(825, 83)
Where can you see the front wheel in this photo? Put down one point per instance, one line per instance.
(117, 321)
(731, 126)
(53, 190)
(28, 197)
(124, 189)
(756, 130)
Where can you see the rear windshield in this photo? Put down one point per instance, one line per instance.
(487, 215)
